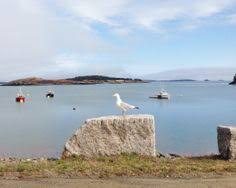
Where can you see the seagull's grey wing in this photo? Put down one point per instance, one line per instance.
(126, 106)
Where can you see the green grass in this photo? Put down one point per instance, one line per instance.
(122, 165)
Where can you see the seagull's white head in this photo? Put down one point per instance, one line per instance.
(116, 95)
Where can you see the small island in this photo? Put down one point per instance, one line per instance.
(80, 80)
(234, 81)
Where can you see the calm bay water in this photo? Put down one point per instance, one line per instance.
(185, 125)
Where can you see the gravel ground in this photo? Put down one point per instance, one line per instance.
(119, 182)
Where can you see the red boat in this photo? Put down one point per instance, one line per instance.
(20, 97)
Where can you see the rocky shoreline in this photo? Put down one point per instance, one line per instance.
(80, 80)
(13, 160)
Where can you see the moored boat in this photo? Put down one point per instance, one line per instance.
(50, 94)
(20, 97)
(162, 95)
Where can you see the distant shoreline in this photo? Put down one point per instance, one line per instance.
(188, 80)
(177, 80)
(91, 80)
(80, 80)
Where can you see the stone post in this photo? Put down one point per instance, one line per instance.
(226, 137)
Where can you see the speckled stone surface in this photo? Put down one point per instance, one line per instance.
(112, 135)
(226, 136)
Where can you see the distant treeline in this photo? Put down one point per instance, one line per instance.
(99, 78)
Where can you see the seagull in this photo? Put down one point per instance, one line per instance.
(122, 105)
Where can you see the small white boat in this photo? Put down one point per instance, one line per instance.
(162, 95)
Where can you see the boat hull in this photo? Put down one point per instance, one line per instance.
(20, 99)
(160, 97)
(50, 95)
(163, 97)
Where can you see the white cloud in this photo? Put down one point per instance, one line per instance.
(146, 14)
(32, 35)
(35, 33)
(232, 19)
(68, 65)
(99, 11)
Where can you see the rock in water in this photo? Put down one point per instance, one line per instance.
(227, 141)
(112, 135)
(234, 81)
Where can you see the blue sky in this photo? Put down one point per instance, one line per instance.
(64, 38)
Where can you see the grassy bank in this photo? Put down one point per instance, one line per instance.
(123, 165)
